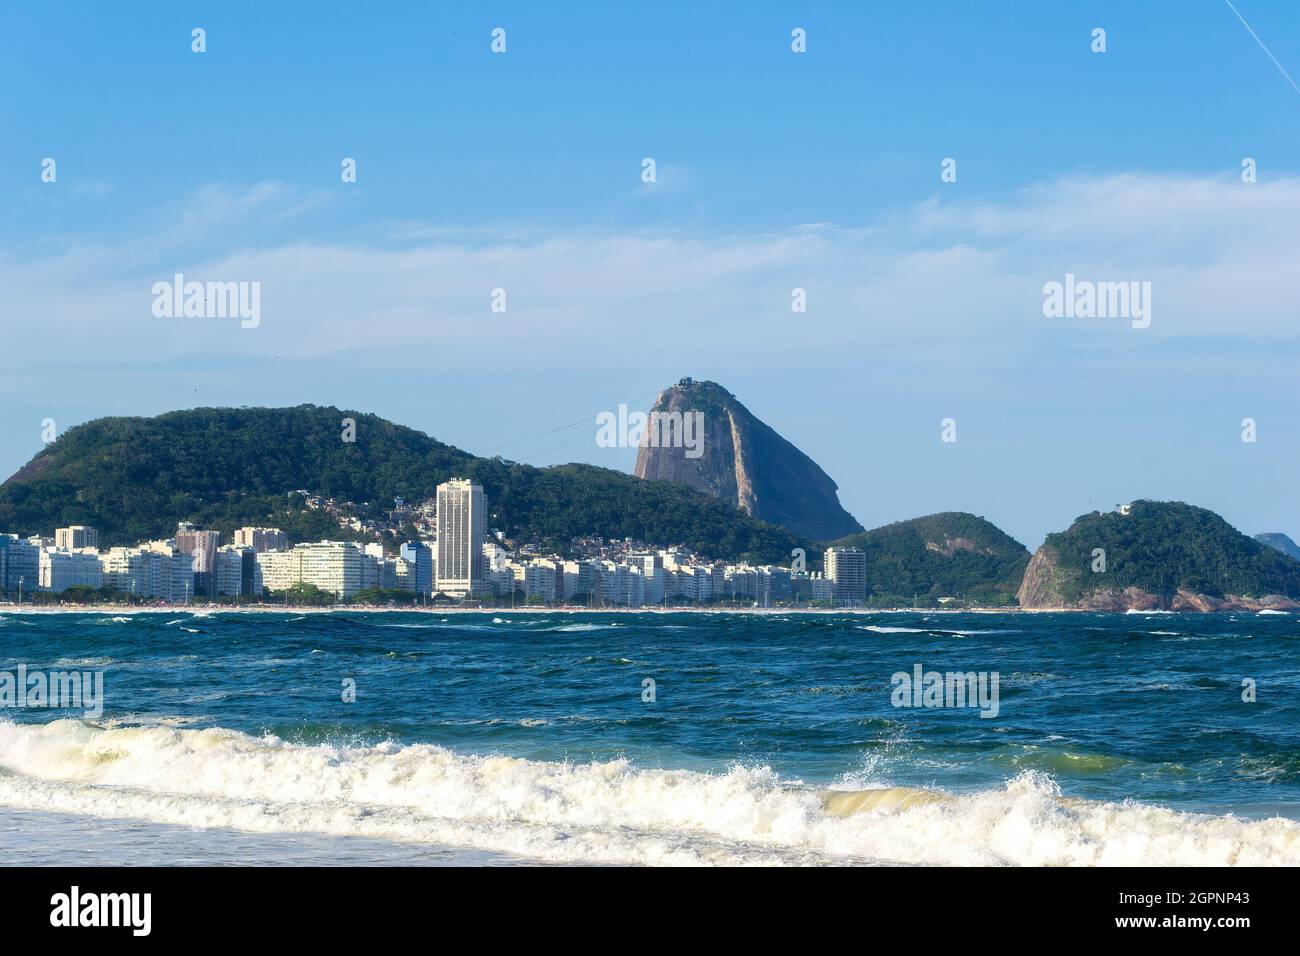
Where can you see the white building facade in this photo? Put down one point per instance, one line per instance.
(60, 570)
(462, 528)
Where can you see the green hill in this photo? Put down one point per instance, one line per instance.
(951, 554)
(1161, 554)
(1280, 541)
(134, 478)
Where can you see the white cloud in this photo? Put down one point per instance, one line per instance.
(942, 281)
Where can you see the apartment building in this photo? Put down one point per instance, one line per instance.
(75, 538)
(462, 529)
(846, 568)
(262, 539)
(60, 570)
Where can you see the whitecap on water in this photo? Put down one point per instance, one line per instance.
(598, 812)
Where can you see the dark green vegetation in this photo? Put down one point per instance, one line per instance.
(134, 478)
(952, 554)
(81, 594)
(302, 594)
(1164, 546)
(381, 597)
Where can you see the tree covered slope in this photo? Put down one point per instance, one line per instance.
(1160, 555)
(951, 554)
(134, 478)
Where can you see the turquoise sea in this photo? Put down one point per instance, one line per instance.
(654, 737)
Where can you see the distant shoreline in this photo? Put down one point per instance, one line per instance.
(12, 608)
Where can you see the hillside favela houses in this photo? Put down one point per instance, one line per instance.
(457, 559)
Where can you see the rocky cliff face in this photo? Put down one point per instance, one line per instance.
(1038, 591)
(1158, 556)
(741, 459)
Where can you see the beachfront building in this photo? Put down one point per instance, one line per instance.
(154, 571)
(377, 570)
(177, 568)
(775, 583)
(201, 546)
(651, 567)
(60, 570)
(333, 566)
(694, 583)
(279, 570)
(846, 568)
(405, 573)
(740, 582)
(134, 571)
(421, 559)
(581, 581)
(621, 584)
(462, 528)
(372, 566)
(388, 574)
(500, 582)
(21, 563)
(234, 572)
(539, 581)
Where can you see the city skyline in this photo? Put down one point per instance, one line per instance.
(463, 559)
(466, 561)
(262, 565)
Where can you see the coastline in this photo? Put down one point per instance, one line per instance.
(123, 609)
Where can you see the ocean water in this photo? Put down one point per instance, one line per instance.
(505, 738)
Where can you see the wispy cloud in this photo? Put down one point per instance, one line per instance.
(1220, 255)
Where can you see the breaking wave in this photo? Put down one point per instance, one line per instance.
(604, 812)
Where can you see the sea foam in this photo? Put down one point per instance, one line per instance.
(602, 812)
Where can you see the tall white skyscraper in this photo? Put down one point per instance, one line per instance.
(847, 570)
(462, 527)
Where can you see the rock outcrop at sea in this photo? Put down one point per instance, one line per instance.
(1158, 556)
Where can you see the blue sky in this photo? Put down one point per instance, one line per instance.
(776, 171)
